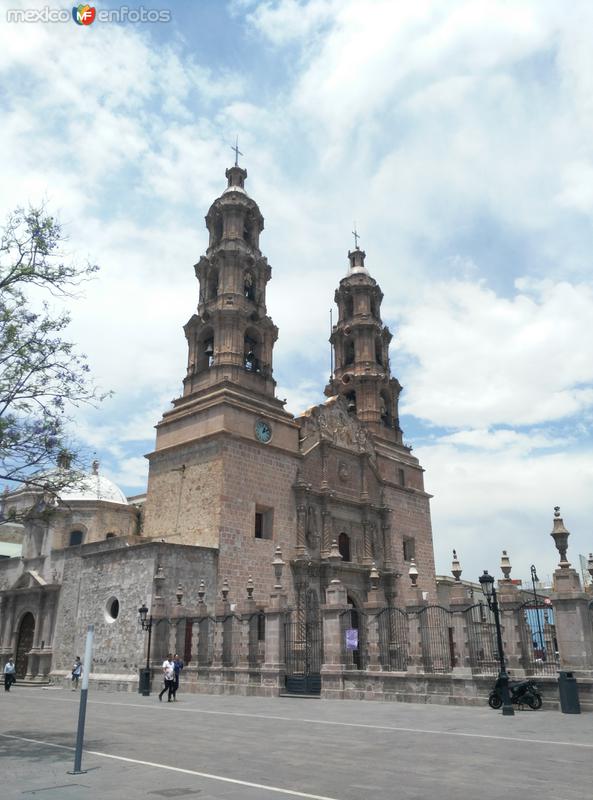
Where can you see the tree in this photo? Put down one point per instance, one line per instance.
(42, 377)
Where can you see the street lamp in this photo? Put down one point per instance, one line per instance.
(542, 644)
(146, 625)
(487, 584)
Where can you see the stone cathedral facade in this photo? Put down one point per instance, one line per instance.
(233, 476)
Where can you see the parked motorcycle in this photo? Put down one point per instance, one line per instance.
(521, 692)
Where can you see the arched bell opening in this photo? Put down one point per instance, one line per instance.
(351, 402)
(252, 350)
(212, 285)
(205, 350)
(379, 351)
(386, 411)
(348, 352)
(249, 285)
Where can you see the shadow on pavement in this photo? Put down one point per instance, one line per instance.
(34, 752)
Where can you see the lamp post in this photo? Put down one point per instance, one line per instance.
(146, 625)
(487, 584)
(542, 644)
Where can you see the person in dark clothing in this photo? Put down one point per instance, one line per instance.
(9, 678)
(178, 666)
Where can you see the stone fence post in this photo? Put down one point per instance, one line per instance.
(332, 669)
(274, 666)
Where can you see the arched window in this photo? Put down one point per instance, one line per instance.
(379, 351)
(348, 352)
(344, 546)
(386, 416)
(351, 402)
(205, 349)
(247, 225)
(249, 285)
(218, 229)
(348, 306)
(252, 351)
(76, 537)
(212, 291)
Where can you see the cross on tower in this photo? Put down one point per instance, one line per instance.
(356, 237)
(236, 151)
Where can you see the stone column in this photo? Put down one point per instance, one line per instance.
(325, 532)
(572, 617)
(274, 667)
(332, 669)
(301, 521)
(375, 603)
(511, 621)
(571, 608)
(459, 602)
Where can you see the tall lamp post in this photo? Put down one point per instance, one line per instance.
(542, 643)
(146, 625)
(487, 584)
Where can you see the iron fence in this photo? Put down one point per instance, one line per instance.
(394, 642)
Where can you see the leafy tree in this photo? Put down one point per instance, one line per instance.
(42, 377)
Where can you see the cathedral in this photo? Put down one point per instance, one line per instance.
(235, 483)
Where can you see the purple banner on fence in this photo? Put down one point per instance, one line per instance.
(351, 639)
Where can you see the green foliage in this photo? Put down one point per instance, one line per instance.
(42, 376)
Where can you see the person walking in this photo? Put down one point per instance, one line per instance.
(76, 673)
(168, 677)
(9, 678)
(178, 666)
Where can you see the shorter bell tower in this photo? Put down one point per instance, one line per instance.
(361, 345)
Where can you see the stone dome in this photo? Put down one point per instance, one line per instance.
(92, 488)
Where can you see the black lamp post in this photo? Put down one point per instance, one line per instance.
(542, 644)
(146, 625)
(487, 584)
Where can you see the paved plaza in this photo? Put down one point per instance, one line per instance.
(237, 748)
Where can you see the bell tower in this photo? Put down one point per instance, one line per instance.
(361, 345)
(231, 337)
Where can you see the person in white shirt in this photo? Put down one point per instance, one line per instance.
(9, 678)
(168, 677)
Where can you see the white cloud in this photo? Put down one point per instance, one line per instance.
(481, 359)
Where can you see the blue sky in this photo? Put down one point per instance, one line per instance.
(458, 135)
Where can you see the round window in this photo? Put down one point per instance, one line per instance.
(112, 609)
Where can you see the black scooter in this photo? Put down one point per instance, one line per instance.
(521, 692)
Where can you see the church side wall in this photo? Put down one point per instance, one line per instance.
(410, 517)
(92, 577)
(256, 477)
(183, 497)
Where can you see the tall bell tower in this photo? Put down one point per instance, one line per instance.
(231, 337)
(222, 469)
(361, 345)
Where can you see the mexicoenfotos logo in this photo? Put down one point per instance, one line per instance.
(83, 14)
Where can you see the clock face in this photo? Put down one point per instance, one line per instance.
(263, 431)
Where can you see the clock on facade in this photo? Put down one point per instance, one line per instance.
(263, 431)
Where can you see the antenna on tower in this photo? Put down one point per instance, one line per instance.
(331, 347)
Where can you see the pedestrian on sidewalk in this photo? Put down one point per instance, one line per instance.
(178, 666)
(9, 677)
(168, 677)
(76, 673)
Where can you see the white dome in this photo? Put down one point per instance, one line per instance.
(94, 487)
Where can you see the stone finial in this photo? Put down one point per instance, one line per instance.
(278, 565)
(505, 565)
(456, 567)
(201, 592)
(560, 536)
(374, 577)
(225, 590)
(413, 574)
(334, 554)
(95, 466)
(250, 588)
(179, 594)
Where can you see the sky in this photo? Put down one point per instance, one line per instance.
(457, 135)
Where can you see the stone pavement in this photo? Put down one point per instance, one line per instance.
(208, 747)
